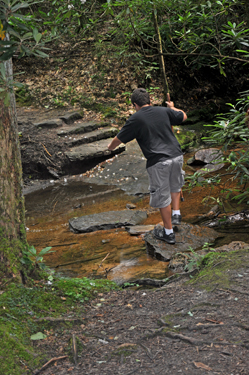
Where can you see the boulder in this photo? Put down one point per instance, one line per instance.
(212, 158)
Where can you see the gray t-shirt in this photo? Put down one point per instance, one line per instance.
(151, 127)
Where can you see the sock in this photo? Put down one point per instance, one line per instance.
(176, 212)
(168, 231)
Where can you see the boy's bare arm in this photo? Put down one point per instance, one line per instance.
(171, 105)
(114, 143)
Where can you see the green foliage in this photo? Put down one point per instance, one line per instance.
(231, 132)
(194, 262)
(22, 35)
(202, 33)
(31, 258)
(83, 289)
(23, 95)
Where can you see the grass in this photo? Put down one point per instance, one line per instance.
(21, 306)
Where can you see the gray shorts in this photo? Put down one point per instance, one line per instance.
(165, 177)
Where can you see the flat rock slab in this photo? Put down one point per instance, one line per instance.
(92, 150)
(93, 136)
(106, 220)
(136, 230)
(187, 236)
(49, 124)
(81, 127)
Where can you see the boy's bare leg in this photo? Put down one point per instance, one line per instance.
(166, 211)
(166, 216)
(175, 200)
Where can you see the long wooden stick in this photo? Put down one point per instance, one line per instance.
(160, 51)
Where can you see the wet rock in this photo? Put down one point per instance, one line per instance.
(136, 230)
(53, 173)
(106, 220)
(92, 150)
(106, 241)
(212, 159)
(208, 155)
(187, 236)
(127, 170)
(232, 246)
(130, 206)
(239, 220)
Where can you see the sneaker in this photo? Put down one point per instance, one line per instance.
(176, 219)
(161, 235)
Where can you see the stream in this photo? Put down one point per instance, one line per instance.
(112, 254)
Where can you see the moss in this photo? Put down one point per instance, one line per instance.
(21, 312)
(185, 138)
(216, 269)
(125, 350)
(84, 288)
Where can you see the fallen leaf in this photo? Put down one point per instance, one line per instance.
(201, 365)
(38, 336)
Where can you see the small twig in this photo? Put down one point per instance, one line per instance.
(148, 352)
(46, 150)
(74, 348)
(48, 363)
(50, 161)
(234, 291)
(100, 265)
(54, 206)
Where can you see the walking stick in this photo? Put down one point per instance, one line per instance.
(181, 193)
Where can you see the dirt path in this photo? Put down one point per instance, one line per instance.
(185, 327)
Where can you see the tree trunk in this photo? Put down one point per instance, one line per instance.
(12, 217)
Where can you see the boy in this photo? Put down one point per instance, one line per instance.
(152, 128)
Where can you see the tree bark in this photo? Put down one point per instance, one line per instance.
(12, 214)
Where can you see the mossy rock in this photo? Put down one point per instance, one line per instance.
(186, 138)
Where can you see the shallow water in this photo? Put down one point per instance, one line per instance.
(113, 254)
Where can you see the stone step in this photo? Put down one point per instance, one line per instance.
(68, 118)
(92, 150)
(93, 136)
(81, 127)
